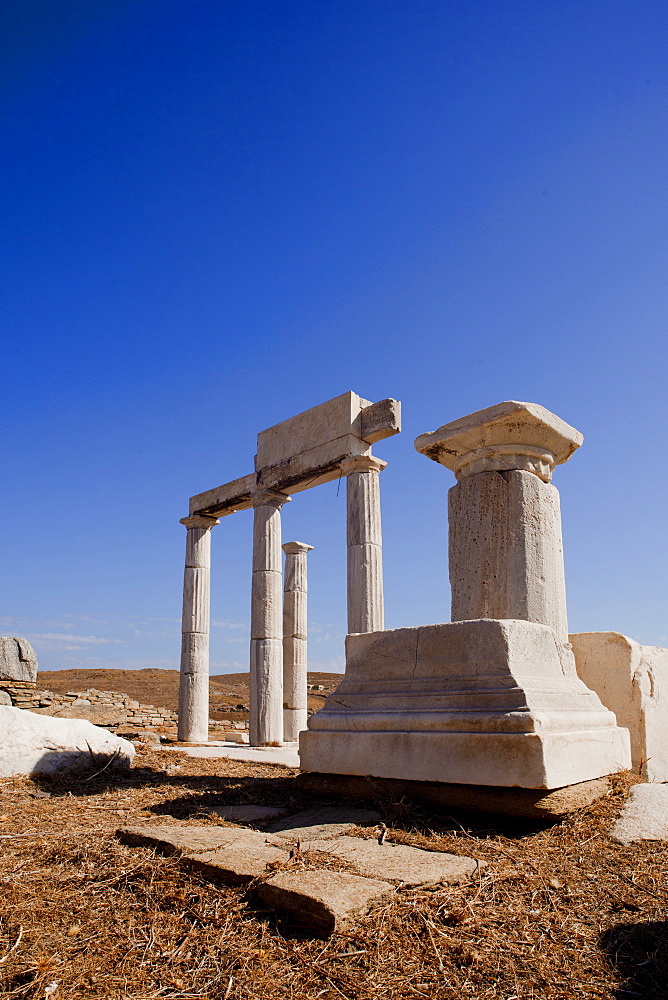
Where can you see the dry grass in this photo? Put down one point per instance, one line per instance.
(558, 913)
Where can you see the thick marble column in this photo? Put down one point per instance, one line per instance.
(365, 552)
(194, 679)
(295, 661)
(266, 655)
(506, 552)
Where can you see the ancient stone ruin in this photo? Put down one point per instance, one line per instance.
(318, 446)
(491, 698)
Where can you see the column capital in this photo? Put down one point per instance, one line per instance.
(506, 437)
(269, 498)
(197, 521)
(291, 548)
(362, 463)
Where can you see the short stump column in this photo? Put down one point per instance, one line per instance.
(266, 657)
(295, 660)
(194, 677)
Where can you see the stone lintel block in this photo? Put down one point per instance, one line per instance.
(632, 681)
(18, 660)
(509, 435)
(380, 420)
(311, 429)
(225, 499)
(326, 902)
(483, 702)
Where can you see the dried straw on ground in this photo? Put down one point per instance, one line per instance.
(558, 913)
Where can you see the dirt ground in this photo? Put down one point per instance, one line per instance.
(559, 912)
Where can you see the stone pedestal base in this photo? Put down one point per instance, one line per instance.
(486, 702)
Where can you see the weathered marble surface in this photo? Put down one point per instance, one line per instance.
(39, 744)
(295, 651)
(266, 655)
(18, 660)
(364, 538)
(194, 676)
(632, 681)
(506, 552)
(477, 702)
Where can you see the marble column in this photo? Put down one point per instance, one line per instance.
(295, 662)
(194, 678)
(506, 552)
(365, 553)
(266, 654)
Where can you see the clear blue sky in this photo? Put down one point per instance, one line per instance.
(218, 214)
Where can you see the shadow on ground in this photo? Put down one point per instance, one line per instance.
(639, 953)
(200, 792)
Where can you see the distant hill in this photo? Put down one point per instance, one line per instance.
(161, 687)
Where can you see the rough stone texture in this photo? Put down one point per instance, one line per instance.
(323, 823)
(295, 655)
(4, 698)
(324, 901)
(37, 744)
(194, 678)
(232, 854)
(18, 661)
(398, 863)
(487, 702)
(509, 435)
(365, 553)
(644, 815)
(632, 681)
(506, 554)
(246, 813)
(527, 803)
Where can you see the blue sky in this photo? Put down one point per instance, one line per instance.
(216, 215)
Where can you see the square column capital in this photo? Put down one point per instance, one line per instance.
(507, 436)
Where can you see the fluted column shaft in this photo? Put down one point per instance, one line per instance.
(295, 662)
(266, 657)
(194, 677)
(365, 553)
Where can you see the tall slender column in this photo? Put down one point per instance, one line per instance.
(266, 657)
(194, 679)
(295, 662)
(365, 553)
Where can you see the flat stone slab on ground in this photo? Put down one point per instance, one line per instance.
(246, 813)
(287, 756)
(410, 865)
(644, 815)
(234, 855)
(325, 901)
(323, 823)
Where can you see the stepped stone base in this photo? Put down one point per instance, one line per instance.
(487, 702)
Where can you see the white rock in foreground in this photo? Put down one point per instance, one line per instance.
(39, 744)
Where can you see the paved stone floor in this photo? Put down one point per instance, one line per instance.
(288, 755)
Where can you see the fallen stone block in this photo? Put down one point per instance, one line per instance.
(235, 856)
(632, 681)
(38, 744)
(323, 823)
(408, 865)
(324, 901)
(644, 815)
